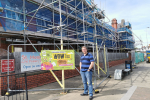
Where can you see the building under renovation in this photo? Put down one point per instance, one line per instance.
(34, 25)
(79, 21)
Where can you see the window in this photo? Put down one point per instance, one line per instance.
(13, 15)
(8, 14)
(19, 17)
(40, 22)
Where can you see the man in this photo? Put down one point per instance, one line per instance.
(86, 65)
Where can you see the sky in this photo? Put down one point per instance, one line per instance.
(137, 12)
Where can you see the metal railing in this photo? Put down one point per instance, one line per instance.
(16, 82)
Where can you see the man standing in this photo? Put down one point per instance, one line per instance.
(86, 65)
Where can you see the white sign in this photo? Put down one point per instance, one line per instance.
(30, 61)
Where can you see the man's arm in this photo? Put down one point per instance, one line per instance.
(91, 65)
(92, 62)
(80, 65)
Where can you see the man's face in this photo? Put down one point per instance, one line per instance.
(84, 50)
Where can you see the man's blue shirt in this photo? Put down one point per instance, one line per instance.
(86, 61)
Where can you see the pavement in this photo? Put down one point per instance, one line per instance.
(135, 86)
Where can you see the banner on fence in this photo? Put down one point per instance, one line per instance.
(57, 60)
(30, 61)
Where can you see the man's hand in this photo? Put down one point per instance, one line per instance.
(88, 70)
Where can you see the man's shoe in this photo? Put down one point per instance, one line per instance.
(91, 98)
(84, 94)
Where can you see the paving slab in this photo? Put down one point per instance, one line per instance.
(141, 93)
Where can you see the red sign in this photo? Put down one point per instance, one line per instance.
(4, 65)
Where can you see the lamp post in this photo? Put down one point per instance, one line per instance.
(146, 36)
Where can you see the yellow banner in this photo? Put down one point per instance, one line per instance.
(57, 59)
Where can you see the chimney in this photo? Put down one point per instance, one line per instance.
(122, 23)
(114, 23)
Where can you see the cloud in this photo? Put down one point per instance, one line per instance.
(134, 11)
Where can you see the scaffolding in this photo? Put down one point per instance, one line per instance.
(126, 39)
(79, 21)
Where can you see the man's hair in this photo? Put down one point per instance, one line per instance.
(84, 47)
